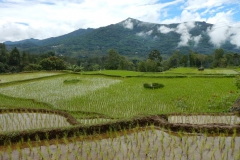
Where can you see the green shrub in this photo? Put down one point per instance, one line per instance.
(153, 85)
(71, 81)
(237, 82)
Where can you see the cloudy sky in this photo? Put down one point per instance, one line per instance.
(23, 19)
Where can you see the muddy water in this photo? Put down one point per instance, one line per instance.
(140, 144)
(204, 119)
(25, 121)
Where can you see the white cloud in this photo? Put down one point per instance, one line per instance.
(50, 18)
(195, 5)
(184, 29)
(196, 39)
(164, 29)
(212, 11)
(220, 33)
(185, 16)
(143, 34)
(128, 24)
(53, 17)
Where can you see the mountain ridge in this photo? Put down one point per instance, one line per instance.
(131, 37)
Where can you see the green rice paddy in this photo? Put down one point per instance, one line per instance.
(104, 98)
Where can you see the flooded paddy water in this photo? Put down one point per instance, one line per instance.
(26, 121)
(143, 143)
(205, 119)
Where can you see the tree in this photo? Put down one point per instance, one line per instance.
(3, 53)
(202, 58)
(151, 65)
(14, 57)
(142, 66)
(155, 56)
(125, 64)
(236, 59)
(3, 67)
(113, 60)
(32, 67)
(52, 63)
(174, 60)
(218, 59)
(75, 68)
(184, 60)
(218, 54)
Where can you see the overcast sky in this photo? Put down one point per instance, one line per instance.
(23, 19)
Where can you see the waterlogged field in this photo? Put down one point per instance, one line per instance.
(126, 97)
(24, 76)
(206, 71)
(29, 121)
(121, 73)
(138, 143)
(205, 119)
(57, 91)
(98, 99)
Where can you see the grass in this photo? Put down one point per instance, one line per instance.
(181, 71)
(97, 99)
(125, 98)
(24, 76)
(12, 102)
(184, 70)
(55, 92)
(121, 73)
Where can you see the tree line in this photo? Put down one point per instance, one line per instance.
(156, 63)
(16, 61)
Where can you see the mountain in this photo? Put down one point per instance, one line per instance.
(131, 37)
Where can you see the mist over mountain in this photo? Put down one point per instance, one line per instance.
(136, 39)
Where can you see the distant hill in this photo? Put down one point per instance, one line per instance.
(131, 37)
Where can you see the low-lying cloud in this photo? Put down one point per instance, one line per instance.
(165, 30)
(220, 33)
(128, 24)
(182, 29)
(144, 34)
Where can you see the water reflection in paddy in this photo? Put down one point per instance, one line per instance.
(204, 119)
(138, 144)
(25, 121)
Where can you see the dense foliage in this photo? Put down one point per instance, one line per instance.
(16, 61)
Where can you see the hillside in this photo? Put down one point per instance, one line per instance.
(131, 37)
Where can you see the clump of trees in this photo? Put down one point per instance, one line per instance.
(152, 64)
(16, 61)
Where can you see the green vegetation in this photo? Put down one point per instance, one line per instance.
(153, 85)
(71, 81)
(4, 78)
(184, 70)
(125, 98)
(91, 42)
(108, 107)
(97, 106)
